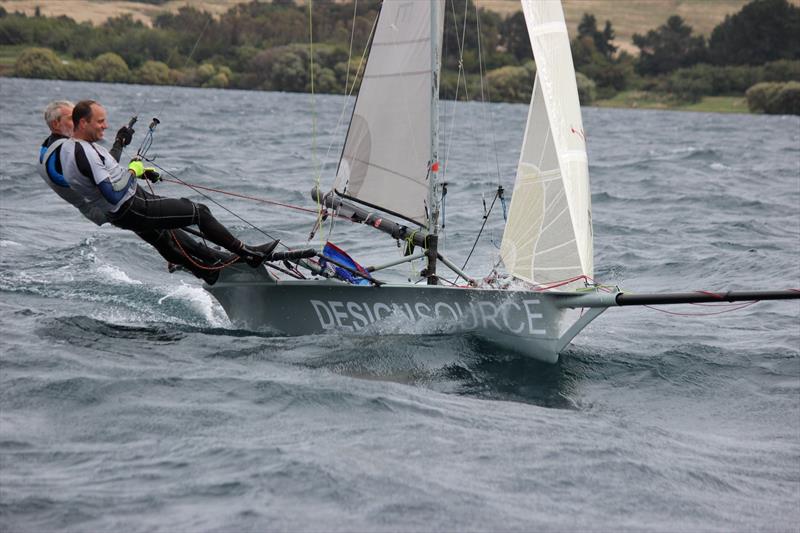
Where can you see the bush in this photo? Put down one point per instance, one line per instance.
(217, 81)
(774, 98)
(511, 84)
(152, 73)
(784, 70)
(38, 63)
(587, 89)
(111, 68)
(80, 70)
(689, 84)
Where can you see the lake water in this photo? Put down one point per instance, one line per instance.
(128, 401)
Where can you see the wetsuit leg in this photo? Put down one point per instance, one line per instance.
(162, 241)
(200, 251)
(150, 212)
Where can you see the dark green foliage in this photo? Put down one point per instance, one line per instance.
(690, 84)
(586, 89)
(611, 74)
(764, 30)
(782, 70)
(668, 48)
(775, 98)
(265, 45)
(602, 39)
(515, 35)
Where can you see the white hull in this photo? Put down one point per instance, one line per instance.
(531, 323)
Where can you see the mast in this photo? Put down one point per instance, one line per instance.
(433, 171)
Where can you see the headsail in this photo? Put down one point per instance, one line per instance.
(548, 237)
(388, 147)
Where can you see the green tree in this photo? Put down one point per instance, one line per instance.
(515, 37)
(602, 39)
(764, 30)
(38, 63)
(111, 68)
(670, 47)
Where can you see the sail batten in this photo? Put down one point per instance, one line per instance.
(548, 236)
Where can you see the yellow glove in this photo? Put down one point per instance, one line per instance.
(136, 167)
(139, 170)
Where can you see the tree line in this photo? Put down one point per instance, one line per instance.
(265, 46)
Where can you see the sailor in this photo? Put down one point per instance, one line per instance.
(58, 116)
(95, 175)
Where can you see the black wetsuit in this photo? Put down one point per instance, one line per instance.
(158, 220)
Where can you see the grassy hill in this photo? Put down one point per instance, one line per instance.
(626, 16)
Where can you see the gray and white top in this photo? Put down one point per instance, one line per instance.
(93, 172)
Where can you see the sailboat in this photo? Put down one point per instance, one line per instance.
(388, 178)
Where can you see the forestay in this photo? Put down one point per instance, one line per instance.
(388, 147)
(548, 237)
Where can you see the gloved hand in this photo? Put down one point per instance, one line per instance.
(124, 136)
(152, 175)
(139, 170)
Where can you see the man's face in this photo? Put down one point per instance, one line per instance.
(93, 128)
(63, 124)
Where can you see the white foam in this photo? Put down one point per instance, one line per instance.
(199, 300)
(115, 274)
(719, 166)
(5, 244)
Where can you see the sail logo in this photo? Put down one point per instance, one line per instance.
(518, 318)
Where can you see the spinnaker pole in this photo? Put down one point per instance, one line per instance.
(614, 299)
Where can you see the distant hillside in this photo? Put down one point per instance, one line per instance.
(627, 16)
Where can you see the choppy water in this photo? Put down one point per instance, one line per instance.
(128, 402)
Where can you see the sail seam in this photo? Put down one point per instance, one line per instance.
(570, 267)
(538, 252)
(410, 41)
(373, 165)
(398, 74)
(548, 28)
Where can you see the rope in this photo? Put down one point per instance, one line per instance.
(480, 231)
(246, 197)
(210, 199)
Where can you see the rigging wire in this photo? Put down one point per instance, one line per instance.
(199, 191)
(497, 194)
(316, 170)
(349, 90)
(147, 141)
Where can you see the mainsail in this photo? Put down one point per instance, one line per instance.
(548, 236)
(387, 152)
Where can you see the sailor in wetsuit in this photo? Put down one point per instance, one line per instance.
(94, 174)
(58, 116)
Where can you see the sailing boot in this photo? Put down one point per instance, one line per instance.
(255, 255)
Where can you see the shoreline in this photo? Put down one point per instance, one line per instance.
(624, 100)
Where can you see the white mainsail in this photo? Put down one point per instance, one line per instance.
(388, 147)
(548, 236)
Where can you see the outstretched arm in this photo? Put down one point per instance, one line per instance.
(123, 139)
